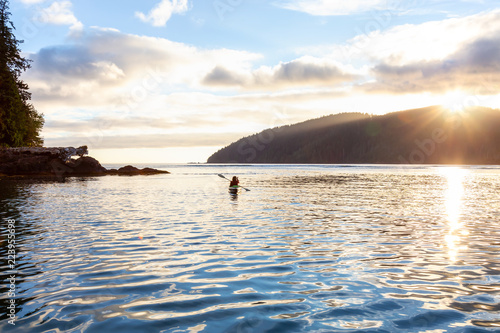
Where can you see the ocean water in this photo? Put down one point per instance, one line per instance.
(307, 249)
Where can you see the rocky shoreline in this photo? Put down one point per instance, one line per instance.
(58, 162)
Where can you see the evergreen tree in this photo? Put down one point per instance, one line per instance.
(20, 123)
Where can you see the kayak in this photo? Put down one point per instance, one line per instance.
(234, 189)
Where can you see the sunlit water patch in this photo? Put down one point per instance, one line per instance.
(309, 248)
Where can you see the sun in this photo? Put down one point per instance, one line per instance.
(456, 101)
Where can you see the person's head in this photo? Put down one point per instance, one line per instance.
(235, 179)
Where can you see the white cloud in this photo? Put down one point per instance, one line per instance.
(436, 57)
(474, 68)
(60, 13)
(332, 8)
(417, 42)
(303, 72)
(161, 13)
(352, 7)
(149, 140)
(105, 64)
(31, 2)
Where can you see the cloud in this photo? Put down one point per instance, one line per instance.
(30, 2)
(410, 43)
(161, 13)
(221, 76)
(333, 8)
(102, 65)
(475, 68)
(75, 64)
(117, 123)
(90, 125)
(60, 13)
(107, 67)
(303, 72)
(148, 141)
(436, 56)
(375, 7)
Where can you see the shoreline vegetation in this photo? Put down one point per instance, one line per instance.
(20, 122)
(432, 135)
(58, 162)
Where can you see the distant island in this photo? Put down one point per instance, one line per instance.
(432, 135)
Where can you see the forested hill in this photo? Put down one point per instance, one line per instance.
(430, 135)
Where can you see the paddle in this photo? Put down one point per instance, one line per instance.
(222, 176)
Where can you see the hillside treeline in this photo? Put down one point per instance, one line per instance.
(431, 135)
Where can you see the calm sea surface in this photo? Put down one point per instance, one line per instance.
(308, 249)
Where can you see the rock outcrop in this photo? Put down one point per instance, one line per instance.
(133, 171)
(58, 162)
(63, 153)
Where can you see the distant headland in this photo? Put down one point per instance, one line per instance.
(58, 162)
(432, 135)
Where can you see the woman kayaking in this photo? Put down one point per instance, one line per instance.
(235, 182)
(234, 186)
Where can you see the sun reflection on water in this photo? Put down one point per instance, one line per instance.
(454, 198)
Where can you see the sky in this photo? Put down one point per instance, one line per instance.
(173, 81)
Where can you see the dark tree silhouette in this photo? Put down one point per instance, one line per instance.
(20, 123)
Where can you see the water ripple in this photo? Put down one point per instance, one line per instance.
(317, 249)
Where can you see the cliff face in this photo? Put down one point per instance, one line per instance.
(58, 162)
(424, 136)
